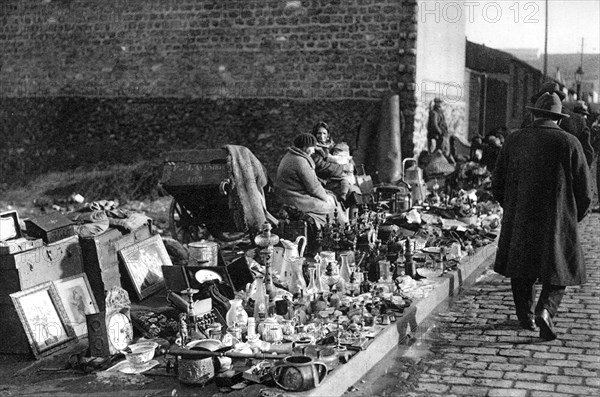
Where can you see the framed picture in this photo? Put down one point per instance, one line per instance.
(144, 261)
(76, 296)
(44, 319)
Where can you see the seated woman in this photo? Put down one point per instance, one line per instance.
(297, 184)
(330, 170)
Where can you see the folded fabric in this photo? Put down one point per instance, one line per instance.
(101, 205)
(132, 222)
(89, 223)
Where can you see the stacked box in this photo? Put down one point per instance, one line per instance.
(22, 269)
(101, 259)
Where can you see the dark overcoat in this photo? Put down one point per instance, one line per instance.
(542, 181)
(297, 185)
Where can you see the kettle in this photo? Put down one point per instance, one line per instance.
(291, 251)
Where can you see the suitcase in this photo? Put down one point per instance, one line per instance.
(101, 259)
(27, 268)
(50, 227)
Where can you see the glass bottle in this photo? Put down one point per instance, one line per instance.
(312, 288)
(334, 299)
(318, 274)
(345, 271)
(365, 286)
(261, 303)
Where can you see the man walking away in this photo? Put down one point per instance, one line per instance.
(542, 181)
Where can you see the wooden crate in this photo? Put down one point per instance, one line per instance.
(101, 259)
(28, 268)
(14, 340)
(49, 262)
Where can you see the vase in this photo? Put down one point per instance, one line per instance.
(236, 315)
(312, 288)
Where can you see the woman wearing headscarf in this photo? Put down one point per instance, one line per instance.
(297, 183)
(330, 172)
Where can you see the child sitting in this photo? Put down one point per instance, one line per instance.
(340, 154)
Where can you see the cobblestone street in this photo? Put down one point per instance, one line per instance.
(474, 346)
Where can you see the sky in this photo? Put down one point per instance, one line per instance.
(520, 24)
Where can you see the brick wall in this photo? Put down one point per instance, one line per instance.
(181, 69)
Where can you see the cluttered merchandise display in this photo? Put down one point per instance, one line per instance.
(285, 307)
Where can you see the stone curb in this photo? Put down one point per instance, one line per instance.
(343, 377)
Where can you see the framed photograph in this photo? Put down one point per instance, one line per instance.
(144, 261)
(76, 297)
(44, 319)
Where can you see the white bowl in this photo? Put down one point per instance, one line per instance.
(140, 353)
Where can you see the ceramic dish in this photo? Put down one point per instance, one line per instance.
(127, 368)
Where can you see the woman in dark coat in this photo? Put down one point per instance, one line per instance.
(541, 180)
(297, 184)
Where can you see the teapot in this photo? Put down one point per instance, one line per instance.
(291, 251)
(298, 373)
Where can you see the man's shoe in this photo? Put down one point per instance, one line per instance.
(528, 324)
(544, 321)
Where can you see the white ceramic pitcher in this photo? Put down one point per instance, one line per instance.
(291, 251)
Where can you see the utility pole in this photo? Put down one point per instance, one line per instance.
(579, 73)
(546, 43)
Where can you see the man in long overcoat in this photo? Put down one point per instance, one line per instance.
(541, 180)
(575, 124)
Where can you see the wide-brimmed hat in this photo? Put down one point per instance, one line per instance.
(582, 108)
(549, 105)
(549, 87)
(305, 140)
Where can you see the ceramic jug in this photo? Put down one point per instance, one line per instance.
(236, 314)
(298, 373)
(291, 251)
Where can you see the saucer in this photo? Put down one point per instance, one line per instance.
(127, 368)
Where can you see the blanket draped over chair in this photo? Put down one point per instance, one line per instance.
(247, 198)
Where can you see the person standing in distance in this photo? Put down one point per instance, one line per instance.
(437, 129)
(542, 181)
(575, 124)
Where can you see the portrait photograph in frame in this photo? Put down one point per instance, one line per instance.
(78, 300)
(143, 262)
(44, 319)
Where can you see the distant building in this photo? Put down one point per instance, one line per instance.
(500, 86)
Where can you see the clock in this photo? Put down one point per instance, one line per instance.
(203, 275)
(108, 333)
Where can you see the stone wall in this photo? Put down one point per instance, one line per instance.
(140, 76)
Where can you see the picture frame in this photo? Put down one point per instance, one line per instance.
(143, 262)
(78, 300)
(44, 319)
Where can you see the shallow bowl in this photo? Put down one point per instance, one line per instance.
(140, 353)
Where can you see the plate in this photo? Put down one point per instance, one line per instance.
(431, 250)
(127, 368)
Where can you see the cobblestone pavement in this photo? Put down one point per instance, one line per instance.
(474, 347)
